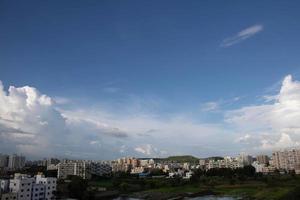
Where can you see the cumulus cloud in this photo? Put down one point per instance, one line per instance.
(149, 150)
(30, 123)
(34, 124)
(279, 117)
(27, 118)
(242, 35)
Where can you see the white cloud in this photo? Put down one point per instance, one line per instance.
(279, 117)
(150, 150)
(284, 141)
(27, 118)
(244, 138)
(242, 35)
(33, 124)
(61, 100)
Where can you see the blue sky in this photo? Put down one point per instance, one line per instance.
(200, 59)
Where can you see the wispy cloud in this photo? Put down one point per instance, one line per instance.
(242, 35)
(111, 89)
(210, 106)
(61, 100)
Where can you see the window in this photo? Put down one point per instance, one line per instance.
(22, 190)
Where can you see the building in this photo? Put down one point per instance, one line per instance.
(100, 169)
(245, 159)
(125, 164)
(24, 187)
(188, 175)
(262, 159)
(4, 185)
(259, 168)
(3, 161)
(9, 196)
(52, 161)
(16, 162)
(46, 184)
(288, 160)
(137, 170)
(76, 168)
(38, 192)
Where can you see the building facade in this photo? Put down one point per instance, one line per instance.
(76, 168)
(24, 187)
(286, 160)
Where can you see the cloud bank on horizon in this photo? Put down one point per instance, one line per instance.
(34, 124)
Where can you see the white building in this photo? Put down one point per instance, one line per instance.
(23, 187)
(38, 192)
(76, 168)
(188, 175)
(259, 168)
(49, 184)
(287, 159)
(4, 185)
(137, 170)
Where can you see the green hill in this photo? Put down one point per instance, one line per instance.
(180, 159)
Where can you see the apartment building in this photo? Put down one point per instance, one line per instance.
(24, 187)
(16, 162)
(3, 161)
(77, 168)
(100, 169)
(262, 159)
(287, 159)
(9, 196)
(49, 184)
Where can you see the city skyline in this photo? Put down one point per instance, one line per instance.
(103, 80)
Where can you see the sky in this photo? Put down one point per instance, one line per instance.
(107, 79)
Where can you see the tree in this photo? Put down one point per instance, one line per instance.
(77, 187)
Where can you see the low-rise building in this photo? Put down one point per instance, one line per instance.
(24, 187)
